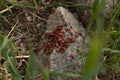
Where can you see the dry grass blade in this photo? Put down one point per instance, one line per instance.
(38, 17)
(11, 30)
(7, 9)
(5, 74)
(96, 78)
(20, 57)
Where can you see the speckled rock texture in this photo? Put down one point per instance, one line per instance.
(60, 53)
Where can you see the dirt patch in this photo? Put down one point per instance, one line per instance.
(26, 27)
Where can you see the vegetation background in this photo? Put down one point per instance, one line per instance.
(17, 38)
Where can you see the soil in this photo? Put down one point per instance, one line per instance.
(25, 28)
(30, 25)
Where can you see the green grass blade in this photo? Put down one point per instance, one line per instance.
(92, 62)
(96, 9)
(64, 74)
(4, 18)
(35, 3)
(71, 5)
(31, 68)
(80, 6)
(42, 69)
(22, 4)
(13, 70)
(3, 42)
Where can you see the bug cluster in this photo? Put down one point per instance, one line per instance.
(58, 41)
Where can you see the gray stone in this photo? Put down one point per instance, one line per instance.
(67, 60)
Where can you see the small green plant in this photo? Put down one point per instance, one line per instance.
(7, 50)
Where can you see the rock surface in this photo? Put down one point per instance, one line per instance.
(64, 35)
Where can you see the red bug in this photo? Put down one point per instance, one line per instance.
(59, 27)
(67, 29)
(70, 39)
(53, 10)
(77, 32)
